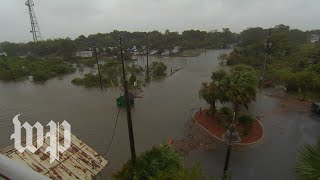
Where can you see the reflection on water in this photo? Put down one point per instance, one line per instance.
(159, 115)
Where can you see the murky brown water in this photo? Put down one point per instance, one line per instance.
(159, 115)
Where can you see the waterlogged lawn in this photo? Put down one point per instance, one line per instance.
(190, 53)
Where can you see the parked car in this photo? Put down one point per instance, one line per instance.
(315, 107)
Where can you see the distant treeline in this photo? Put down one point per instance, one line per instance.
(189, 39)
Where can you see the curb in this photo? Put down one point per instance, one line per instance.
(220, 139)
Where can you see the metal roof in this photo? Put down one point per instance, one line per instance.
(78, 162)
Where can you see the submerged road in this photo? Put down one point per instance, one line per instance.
(287, 127)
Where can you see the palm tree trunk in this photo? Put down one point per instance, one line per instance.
(236, 111)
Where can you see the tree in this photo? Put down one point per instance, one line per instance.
(308, 162)
(240, 88)
(223, 58)
(213, 91)
(210, 93)
(305, 81)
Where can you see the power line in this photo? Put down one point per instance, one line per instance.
(113, 133)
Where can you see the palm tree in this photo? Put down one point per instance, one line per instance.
(308, 162)
(213, 92)
(240, 88)
(159, 163)
(210, 94)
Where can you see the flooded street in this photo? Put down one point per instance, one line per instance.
(161, 114)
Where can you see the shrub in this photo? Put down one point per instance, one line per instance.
(225, 111)
(246, 121)
(158, 69)
(77, 81)
(225, 115)
(40, 76)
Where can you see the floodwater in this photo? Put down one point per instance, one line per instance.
(158, 116)
(161, 114)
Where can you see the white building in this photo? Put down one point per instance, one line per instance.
(84, 54)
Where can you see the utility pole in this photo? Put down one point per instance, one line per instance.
(129, 119)
(97, 61)
(227, 159)
(147, 46)
(267, 46)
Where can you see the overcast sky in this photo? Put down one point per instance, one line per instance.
(71, 18)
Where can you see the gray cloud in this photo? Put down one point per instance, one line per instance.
(62, 18)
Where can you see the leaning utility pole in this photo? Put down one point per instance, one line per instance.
(35, 30)
(147, 46)
(129, 119)
(97, 61)
(267, 51)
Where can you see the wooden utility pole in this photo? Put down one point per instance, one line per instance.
(147, 46)
(128, 108)
(97, 61)
(267, 50)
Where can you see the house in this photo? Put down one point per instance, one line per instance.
(153, 52)
(314, 38)
(84, 54)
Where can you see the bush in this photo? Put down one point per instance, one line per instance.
(225, 115)
(77, 81)
(225, 111)
(40, 76)
(158, 69)
(246, 121)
